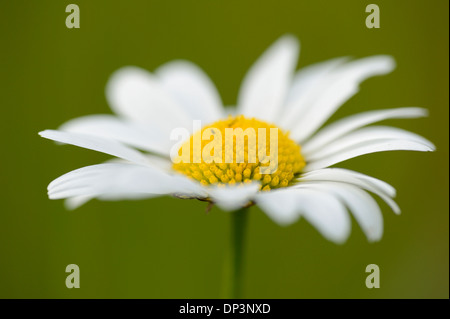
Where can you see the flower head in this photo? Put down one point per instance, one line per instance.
(292, 179)
(238, 158)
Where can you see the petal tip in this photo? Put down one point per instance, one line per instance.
(387, 63)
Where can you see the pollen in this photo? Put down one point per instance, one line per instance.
(240, 150)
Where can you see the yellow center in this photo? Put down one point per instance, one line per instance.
(244, 160)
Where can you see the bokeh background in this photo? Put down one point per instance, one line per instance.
(169, 248)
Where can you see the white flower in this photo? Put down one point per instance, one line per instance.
(149, 106)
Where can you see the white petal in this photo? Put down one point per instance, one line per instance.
(280, 205)
(111, 180)
(365, 209)
(376, 146)
(72, 203)
(95, 143)
(192, 89)
(371, 184)
(348, 176)
(323, 210)
(326, 213)
(366, 136)
(108, 126)
(264, 88)
(307, 78)
(138, 96)
(336, 90)
(126, 196)
(307, 84)
(232, 197)
(350, 123)
(162, 163)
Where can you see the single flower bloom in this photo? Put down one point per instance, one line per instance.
(149, 106)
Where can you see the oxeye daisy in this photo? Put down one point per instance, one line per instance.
(150, 107)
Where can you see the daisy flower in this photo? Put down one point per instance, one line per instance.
(149, 107)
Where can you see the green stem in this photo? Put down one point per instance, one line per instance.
(235, 263)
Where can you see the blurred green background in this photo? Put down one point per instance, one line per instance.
(169, 248)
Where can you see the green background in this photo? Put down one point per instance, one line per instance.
(169, 248)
